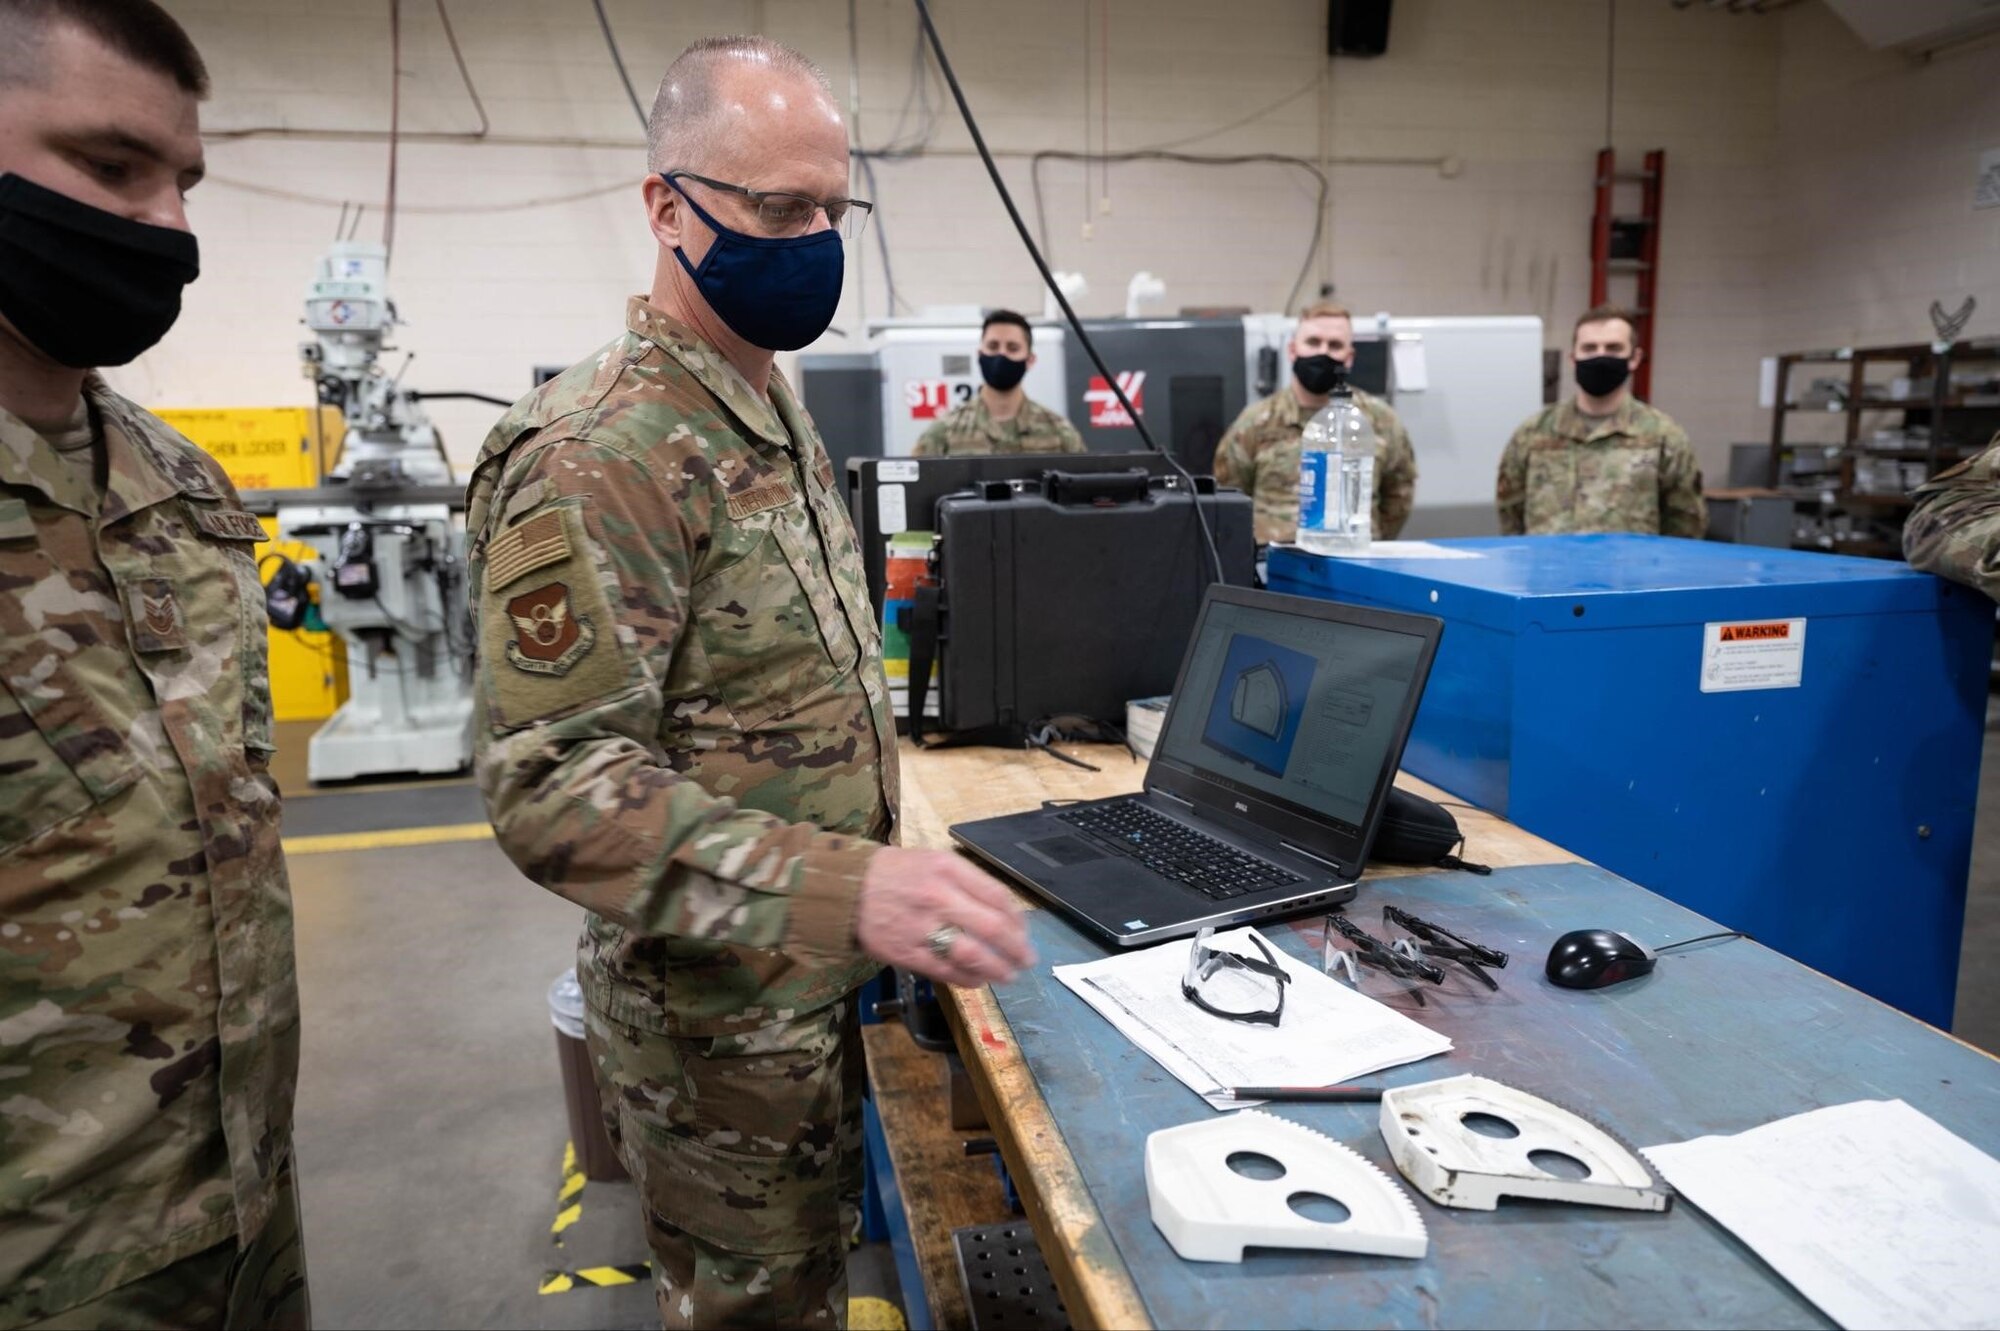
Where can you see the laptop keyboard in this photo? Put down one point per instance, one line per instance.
(1174, 850)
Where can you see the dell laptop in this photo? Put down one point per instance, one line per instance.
(1266, 786)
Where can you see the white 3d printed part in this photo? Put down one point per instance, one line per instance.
(1428, 1135)
(1211, 1213)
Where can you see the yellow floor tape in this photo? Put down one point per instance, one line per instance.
(387, 840)
(297, 789)
(569, 1198)
(865, 1313)
(594, 1277)
(569, 1209)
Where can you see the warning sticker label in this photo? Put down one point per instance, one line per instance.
(1762, 654)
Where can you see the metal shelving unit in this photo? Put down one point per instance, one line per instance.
(1838, 490)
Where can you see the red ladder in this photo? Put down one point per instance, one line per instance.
(1637, 241)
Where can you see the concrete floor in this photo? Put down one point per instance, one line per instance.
(430, 1111)
(430, 1117)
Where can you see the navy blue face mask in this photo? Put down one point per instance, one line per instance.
(778, 293)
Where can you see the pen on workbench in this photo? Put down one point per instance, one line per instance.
(1320, 1094)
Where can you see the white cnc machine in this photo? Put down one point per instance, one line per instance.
(389, 555)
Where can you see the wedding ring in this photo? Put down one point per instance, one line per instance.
(940, 939)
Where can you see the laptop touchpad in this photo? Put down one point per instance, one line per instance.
(1058, 851)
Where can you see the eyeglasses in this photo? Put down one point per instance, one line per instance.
(1437, 941)
(781, 214)
(1237, 988)
(1409, 959)
(1402, 959)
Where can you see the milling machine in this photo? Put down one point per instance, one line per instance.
(388, 561)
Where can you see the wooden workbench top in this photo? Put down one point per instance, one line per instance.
(1728, 1037)
(946, 786)
(954, 785)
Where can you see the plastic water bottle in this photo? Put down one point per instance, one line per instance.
(1337, 478)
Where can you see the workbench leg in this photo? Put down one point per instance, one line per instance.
(886, 1202)
(1007, 1186)
(874, 1208)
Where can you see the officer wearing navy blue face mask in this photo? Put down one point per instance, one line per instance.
(685, 727)
(1001, 417)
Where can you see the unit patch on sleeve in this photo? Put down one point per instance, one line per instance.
(546, 621)
(550, 636)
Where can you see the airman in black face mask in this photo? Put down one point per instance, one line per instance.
(1000, 417)
(1602, 461)
(146, 970)
(1260, 453)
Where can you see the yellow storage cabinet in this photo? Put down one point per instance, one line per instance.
(277, 448)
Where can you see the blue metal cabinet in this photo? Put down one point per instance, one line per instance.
(1831, 819)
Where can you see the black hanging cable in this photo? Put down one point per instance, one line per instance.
(395, 128)
(1048, 278)
(1089, 32)
(1610, 64)
(611, 43)
(881, 232)
(1189, 159)
(464, 74)
(899, 147)
(1238, 123)
(460, 396)
(1690, 942)
(1037, 741)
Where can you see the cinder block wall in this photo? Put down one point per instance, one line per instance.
(1878, 158)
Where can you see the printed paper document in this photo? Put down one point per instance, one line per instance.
(1328, 1035)
(1874, 1212)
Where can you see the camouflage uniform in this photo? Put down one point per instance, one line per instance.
(1954, 531)
(1260, 456)
(149, 1011)
(1632, 471)
(685, 729)
(969, 429)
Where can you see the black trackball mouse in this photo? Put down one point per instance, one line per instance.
(1594, 958)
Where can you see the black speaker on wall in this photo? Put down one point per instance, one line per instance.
(1357, 27)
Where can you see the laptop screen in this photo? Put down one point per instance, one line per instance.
(1294, 708)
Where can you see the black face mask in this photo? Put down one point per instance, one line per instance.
(1001, 372)
(1600, 376)
(1318, 374)
(86, 287)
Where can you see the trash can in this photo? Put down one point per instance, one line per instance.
(595, 1155)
